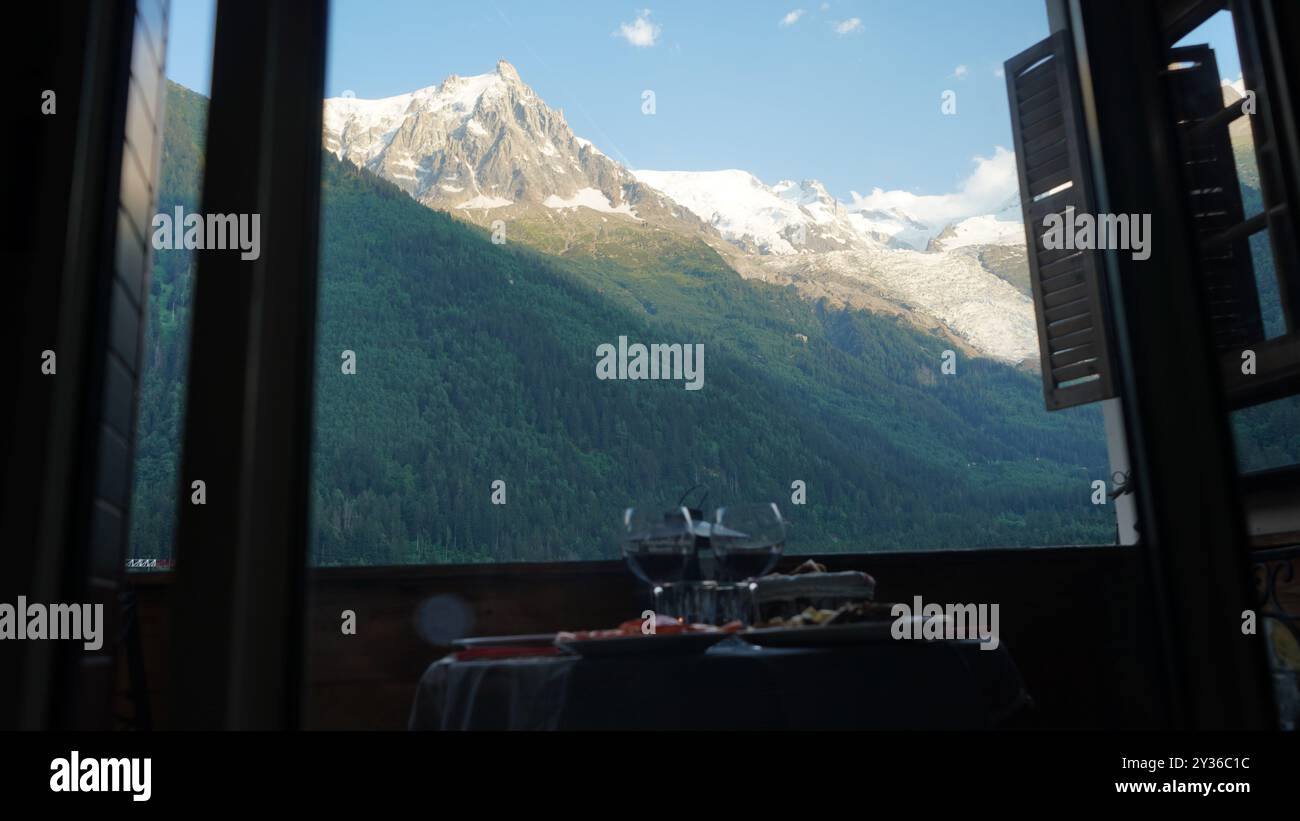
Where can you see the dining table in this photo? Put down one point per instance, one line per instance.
(733, 685)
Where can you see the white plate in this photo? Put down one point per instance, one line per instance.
(532, 640)
(673, 644)
(822, 635)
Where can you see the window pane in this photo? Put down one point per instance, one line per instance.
(1265, 435)
(160, 411)
(1268, 435)
(869, 361)
(611, 267)
(1217, 31)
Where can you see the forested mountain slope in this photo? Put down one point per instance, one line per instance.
(477, 362)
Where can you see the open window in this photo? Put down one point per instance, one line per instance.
(1238, 161)
(1204, 328)
(1237, 156)
(1224, 84)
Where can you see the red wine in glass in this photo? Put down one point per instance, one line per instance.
(749, 563)
(658, 545)
(657, 568)
(747, 539)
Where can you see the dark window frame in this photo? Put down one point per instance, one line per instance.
(273, 581)
(199, 442)
(1275, 146)
(1192, 514)
(240, 581)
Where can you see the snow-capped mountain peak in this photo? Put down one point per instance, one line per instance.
(477, 143)
(360, 130)
(486, 147)
(786, 218)
(965, 273)
(796, 217)
(507, 72)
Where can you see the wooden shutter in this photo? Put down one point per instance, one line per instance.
(1051, 156)
(1209, 171)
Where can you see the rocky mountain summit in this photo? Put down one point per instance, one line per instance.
(488, 148)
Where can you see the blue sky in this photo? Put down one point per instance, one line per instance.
(854, 104)
(189, 43)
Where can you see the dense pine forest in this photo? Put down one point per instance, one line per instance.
(475, 362)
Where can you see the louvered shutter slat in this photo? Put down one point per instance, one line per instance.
(1072, 372)
(1068, 327)
(1078, 308)
(1062, 274)
(1069, 356)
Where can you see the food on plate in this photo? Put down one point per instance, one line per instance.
(855, 613)
(863, 611)
(789, 596)
(811, 616)
(808, 566)
(663, 625)
(658, 624)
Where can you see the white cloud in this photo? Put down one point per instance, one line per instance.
(960, 72)
(990, 186)
(640, 32)
(793, 17)
(999, 72)
(848, 26)
(826, 6)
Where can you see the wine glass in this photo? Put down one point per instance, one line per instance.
(747, 539)
(658, 545)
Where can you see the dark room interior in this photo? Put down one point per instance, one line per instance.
(392, 439)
